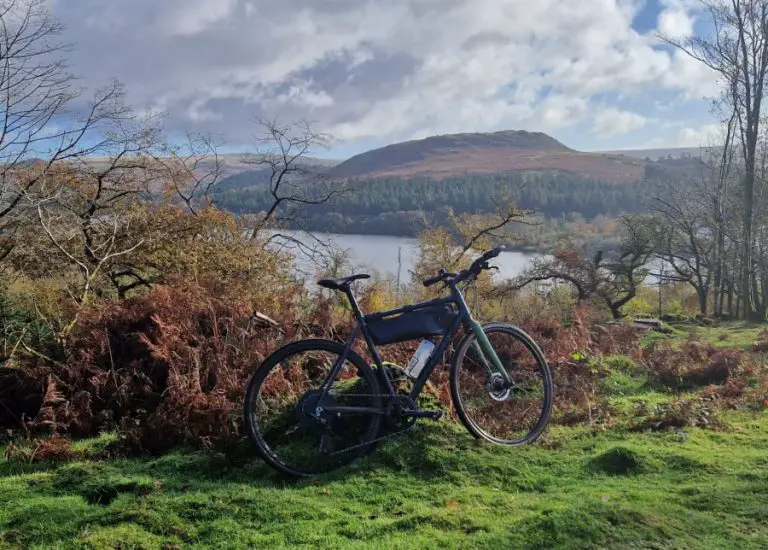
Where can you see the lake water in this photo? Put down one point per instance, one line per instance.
(379, 254)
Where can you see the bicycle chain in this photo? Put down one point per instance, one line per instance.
(375, 440)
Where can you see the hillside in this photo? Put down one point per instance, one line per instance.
(486, 153)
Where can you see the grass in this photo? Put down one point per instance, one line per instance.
(435, 487)
(736, 334)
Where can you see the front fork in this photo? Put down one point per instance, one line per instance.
(485, 350)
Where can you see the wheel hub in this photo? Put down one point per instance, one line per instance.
(311, 410)
(497, 387)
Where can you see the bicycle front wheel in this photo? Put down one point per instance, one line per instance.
(505, 408)
(284, 408)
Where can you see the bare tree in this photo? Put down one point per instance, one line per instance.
(450, 246)
(629, 268)
(685, 239)
(292, 183)
(191, 168)
(82, 231)
(38, 115)
(282, 152)
(737, 51)
(724, 173)
(479, 230)
(612, 279)
(567, 265)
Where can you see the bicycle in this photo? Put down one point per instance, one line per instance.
(341, 410)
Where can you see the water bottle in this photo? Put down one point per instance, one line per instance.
(419, 359)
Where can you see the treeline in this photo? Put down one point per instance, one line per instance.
(396, 206)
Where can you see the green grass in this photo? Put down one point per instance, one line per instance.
(433, 488)
(735, 334)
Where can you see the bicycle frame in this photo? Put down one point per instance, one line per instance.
(464, 317)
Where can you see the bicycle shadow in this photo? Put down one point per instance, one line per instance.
(424, 451)
(427, 452)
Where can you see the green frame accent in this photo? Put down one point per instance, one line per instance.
(486, 351)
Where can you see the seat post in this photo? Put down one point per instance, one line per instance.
(353, 303)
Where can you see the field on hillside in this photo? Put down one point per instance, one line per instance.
(592, 485)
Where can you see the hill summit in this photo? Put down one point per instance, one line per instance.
(483, 153)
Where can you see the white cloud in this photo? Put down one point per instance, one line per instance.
(702, 136)
(195, 16)
(610, 122)
(671, 133)
(381, 68)
(675, 22)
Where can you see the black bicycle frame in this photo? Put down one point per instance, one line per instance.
(464, 316)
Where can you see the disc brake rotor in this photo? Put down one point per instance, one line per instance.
(497, 388)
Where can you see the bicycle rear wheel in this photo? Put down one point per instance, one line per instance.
(284, 393)
(513, 413)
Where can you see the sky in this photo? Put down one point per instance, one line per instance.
(591, 73)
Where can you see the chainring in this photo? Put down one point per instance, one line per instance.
(395, 408)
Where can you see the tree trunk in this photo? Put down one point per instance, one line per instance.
(703, 295)
(727, 294)
(718, 279)
(746, 255)
(616, 312)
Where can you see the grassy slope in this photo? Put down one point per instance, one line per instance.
(433, 488)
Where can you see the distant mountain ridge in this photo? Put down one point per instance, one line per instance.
(485, 153)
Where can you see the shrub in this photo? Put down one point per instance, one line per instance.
(676, 414)
(693, 364)
(19, 327)
(638, 306)
(622, 363)
(167, 367)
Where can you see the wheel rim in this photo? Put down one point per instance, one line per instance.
(499, 413)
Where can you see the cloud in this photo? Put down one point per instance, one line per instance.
(197, 15)
(610, 122)
(384, 69)
(702, 136)
(676, 20)
(670, 133)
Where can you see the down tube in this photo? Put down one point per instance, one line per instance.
(487, 348)
(418, 385)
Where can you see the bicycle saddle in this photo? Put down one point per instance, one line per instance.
(341, 284)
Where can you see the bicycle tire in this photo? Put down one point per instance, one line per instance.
(274, 360)
(531, 345)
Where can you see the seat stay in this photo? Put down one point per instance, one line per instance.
(328, 382)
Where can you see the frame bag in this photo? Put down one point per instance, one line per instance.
(400, 326)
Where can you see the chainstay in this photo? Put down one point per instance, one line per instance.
(372, 441)
(377, 439)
